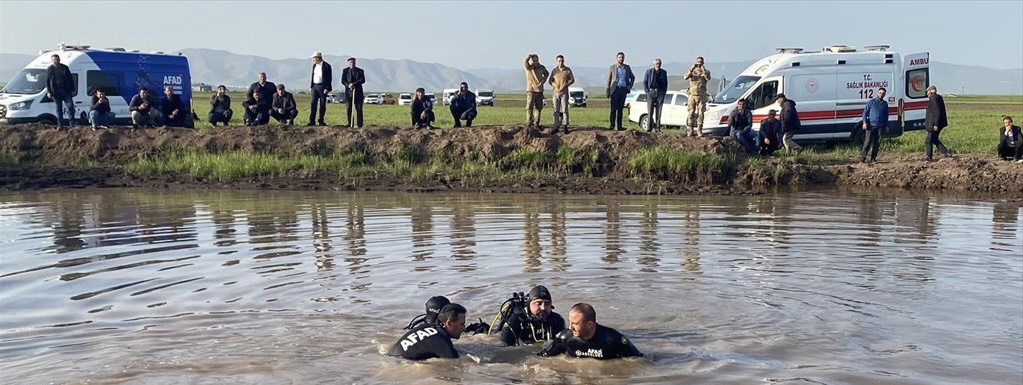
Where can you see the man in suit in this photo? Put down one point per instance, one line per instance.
(655, 83)
(353, 78)
(620, 80)
(935, 120)
(320, 87)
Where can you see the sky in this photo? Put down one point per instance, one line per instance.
(499, 34)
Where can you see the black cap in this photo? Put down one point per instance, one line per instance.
(351, 59)
(780, 96)
(540, 292)
(434, 304)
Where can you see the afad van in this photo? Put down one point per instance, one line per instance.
(830, 89)
(118, 72)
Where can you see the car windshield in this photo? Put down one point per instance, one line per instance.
(735, 89)
(486, 93)
(576, 94)
(405, 96)
(28, 81)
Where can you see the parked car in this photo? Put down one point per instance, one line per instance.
(484, 97)
(577, 96)
(631, 97)
(405, 99)
(388, 99)
(673, 114)
(336, 98)
(373, 99)
(433, 98)
(448, 94)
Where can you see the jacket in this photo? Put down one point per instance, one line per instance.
(935, 115)
(789, 117)
(1014, 137)
(267, 89)
(561, 79)
(219, 105)
(172, 103)
(262, 105)
(771, 129)
(698, 78)
(740, 120)
(354, 76)
(875, 114)
(463, 102)
(328, 76)
(536, 76)
(101, 107)
(658, 82)
(420, 105)
(59, 81)
(138, 100)
(612, 77)
(287, 101)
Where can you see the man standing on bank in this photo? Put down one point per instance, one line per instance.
(698, 76)
(935, 120)
(561, 78)
(60, 86)
(353, 78)
(536, 75)
(320, 87)
(620, 80)
(875, 120)
(655, 83)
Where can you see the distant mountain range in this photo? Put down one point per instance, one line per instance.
(237, 71)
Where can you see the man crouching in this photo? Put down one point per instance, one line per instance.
(428, 340)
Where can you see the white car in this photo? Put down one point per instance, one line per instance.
(374, 99)
(673, 114)
(432, 97)
(405, 99)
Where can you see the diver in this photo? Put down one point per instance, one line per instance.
(433, 307)
(528, 319)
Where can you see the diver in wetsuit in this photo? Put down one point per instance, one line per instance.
(433, 340)
(534, 321)
(586, 338)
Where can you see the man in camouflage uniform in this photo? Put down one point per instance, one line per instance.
(698, 76)
(536, 75)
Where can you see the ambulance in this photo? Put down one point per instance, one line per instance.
(830, 88)
(118, 72)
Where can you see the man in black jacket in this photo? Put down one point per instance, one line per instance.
(143, 110)
(60, 86)
(353, 78)
(263, 87)
(789, 122)
(220, 107)
(320, 86)
(433, 340)
(463, 105)
(174, 111)
(257, 110)
(934, 121)
(284, 106)
(99, 113)
(422, 110)
(1010, 141)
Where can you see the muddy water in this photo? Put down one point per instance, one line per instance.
(164, 287)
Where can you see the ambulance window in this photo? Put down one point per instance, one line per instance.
(916, 83)
(764, 95)
(108, 82)
(680, 100)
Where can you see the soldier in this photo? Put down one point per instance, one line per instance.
(536, 75)
(698, 76)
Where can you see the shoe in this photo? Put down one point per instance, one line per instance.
(863, 160)
(322, 123)
(928, 160)
(564, 129)
(621, 129)
(291, 122)
(611, 127)
(94, 127)
(309, 124)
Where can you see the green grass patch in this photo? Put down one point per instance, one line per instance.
(665, 162)
(237, 166)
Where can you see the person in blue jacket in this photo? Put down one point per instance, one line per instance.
(875, 120)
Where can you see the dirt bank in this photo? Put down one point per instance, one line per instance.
(51, 158)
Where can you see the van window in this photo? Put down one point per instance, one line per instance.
(28, 81)
(919, 75)
(735, 89)
(680, 100)
(763, 96)
(99, 80)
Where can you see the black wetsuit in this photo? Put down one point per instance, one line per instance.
(424, 341)
(606, 343)
(519, 329)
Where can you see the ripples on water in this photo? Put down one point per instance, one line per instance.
(836, 287)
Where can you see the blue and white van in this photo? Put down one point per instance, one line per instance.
(118, 72)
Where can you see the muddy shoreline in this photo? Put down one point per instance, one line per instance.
(82, 158)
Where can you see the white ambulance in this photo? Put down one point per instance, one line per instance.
(118, 72)
(830, 87)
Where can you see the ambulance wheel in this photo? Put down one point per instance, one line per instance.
(644, 122)
(48, 119)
